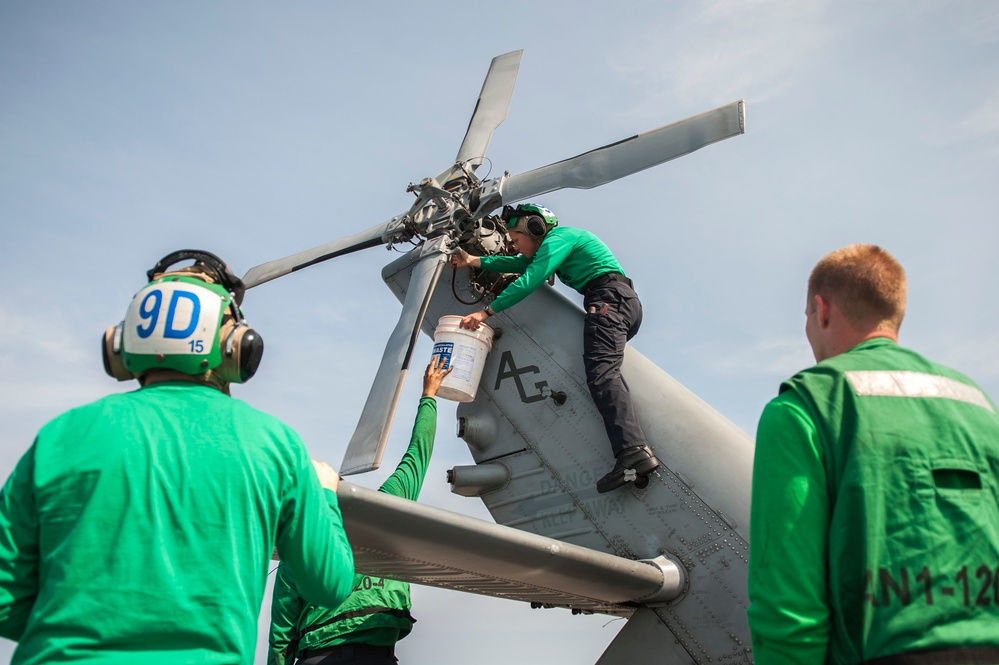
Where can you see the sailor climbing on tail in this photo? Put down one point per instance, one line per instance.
(613, 315)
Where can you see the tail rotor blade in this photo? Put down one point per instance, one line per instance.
(364, 452)
(632, 155)
(265, 272)
(490, 109)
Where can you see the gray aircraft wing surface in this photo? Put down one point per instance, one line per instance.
(413, 542)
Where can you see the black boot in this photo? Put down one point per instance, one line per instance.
(632, 463)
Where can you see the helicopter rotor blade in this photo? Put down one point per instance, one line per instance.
(265, 272)
(617, 160)
(364, 452)
(490, 109)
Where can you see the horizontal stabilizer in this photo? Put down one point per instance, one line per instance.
(400, 539)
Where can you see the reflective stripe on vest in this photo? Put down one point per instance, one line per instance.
(915, 384)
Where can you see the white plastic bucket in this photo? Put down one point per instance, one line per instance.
(466, 351)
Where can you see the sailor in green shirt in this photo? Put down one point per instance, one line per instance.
(364, 629)
(613, 316)
(874, 527)
(139, 528)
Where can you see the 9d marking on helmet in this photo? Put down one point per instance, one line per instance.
(187, 320)
(174, 323)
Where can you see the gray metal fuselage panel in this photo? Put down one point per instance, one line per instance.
(695, 510)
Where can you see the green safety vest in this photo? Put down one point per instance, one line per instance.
(911, 452)
(377, 612)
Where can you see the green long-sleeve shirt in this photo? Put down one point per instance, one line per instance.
(377, 611)
(139, 528)
(576, 256)
(874, 526)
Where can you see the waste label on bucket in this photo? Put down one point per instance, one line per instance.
(444, 350)
(464, 352)
(462, 356)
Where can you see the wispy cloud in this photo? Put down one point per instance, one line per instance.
(727, 50)
(781, 357)
(975, 357)
(44, 369)
(977, 23)
(39, 337)
(981, 122)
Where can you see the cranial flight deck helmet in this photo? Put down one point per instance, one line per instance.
(186, 320)
(531, 219)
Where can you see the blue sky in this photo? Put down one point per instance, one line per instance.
(128, 130)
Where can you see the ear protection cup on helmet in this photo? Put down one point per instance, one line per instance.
(532, 220)
(242, 349)
(114, 364)
(535, 226)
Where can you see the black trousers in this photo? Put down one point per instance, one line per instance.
(354, 654)
(613, 316)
